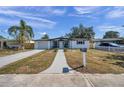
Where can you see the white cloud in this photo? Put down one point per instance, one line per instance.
(86, 10)
(105, 28)
(28, 16)
(53, 11)
(33, 23)
(44, 11)
(58, 12)
(84, 16)
(116, 12)
(43, 33)
(7, 21)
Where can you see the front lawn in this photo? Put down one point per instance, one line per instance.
(5, 52)
(97, 61)
(30, 65)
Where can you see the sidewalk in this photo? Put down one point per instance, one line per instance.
(15, 57)
(62, 80)
(58, 63)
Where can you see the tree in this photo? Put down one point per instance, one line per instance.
(21, 33)
(45, 36)
(111, 34)
(81, 32)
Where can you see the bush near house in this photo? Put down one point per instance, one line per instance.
(29, 45)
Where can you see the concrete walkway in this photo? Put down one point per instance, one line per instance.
(62, 80)
(58, 63)
(15, 57)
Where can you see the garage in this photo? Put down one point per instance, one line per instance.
(42, 44)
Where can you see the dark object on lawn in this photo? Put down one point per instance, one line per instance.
(65, 50)
(121, 64)
(76, 68)
(55, 50)
(83, 49)
(65, 70)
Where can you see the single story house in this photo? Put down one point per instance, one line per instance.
(61, 43)
(119, 41)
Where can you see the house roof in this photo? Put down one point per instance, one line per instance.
(108, 39)
(60, 38)
(2, 38)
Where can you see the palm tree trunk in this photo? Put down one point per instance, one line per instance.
(23, 47)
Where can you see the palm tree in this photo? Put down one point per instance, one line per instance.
(21, 33)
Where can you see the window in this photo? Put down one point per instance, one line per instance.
(80, 42)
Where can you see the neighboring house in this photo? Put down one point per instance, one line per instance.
(119, 41)
(14, 43)
(61, 42)
(3, 43)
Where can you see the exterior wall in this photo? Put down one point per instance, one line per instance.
(96, 44)
(42, 45)
(49, 44)
(61, 44)
(73, 44)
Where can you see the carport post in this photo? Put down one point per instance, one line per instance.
(1, 46)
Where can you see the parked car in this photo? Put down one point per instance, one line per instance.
(110, 45)
(14, 46)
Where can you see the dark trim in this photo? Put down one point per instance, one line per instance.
(60, 39)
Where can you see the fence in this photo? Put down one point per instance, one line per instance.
(111, 49)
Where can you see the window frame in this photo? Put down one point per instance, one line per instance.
(80, 42)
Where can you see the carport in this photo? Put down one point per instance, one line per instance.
(2, 43)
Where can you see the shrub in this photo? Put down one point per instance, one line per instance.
(65, 50)
(55, 50)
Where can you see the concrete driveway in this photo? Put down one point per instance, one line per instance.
(15, 57)
(62, 80)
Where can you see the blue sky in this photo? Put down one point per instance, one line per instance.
(57, 21)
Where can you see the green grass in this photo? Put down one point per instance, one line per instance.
(30, 65)
(97, 61)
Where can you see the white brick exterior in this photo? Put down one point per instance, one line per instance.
(47, 44)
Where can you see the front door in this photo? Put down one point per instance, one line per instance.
(61, 44)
